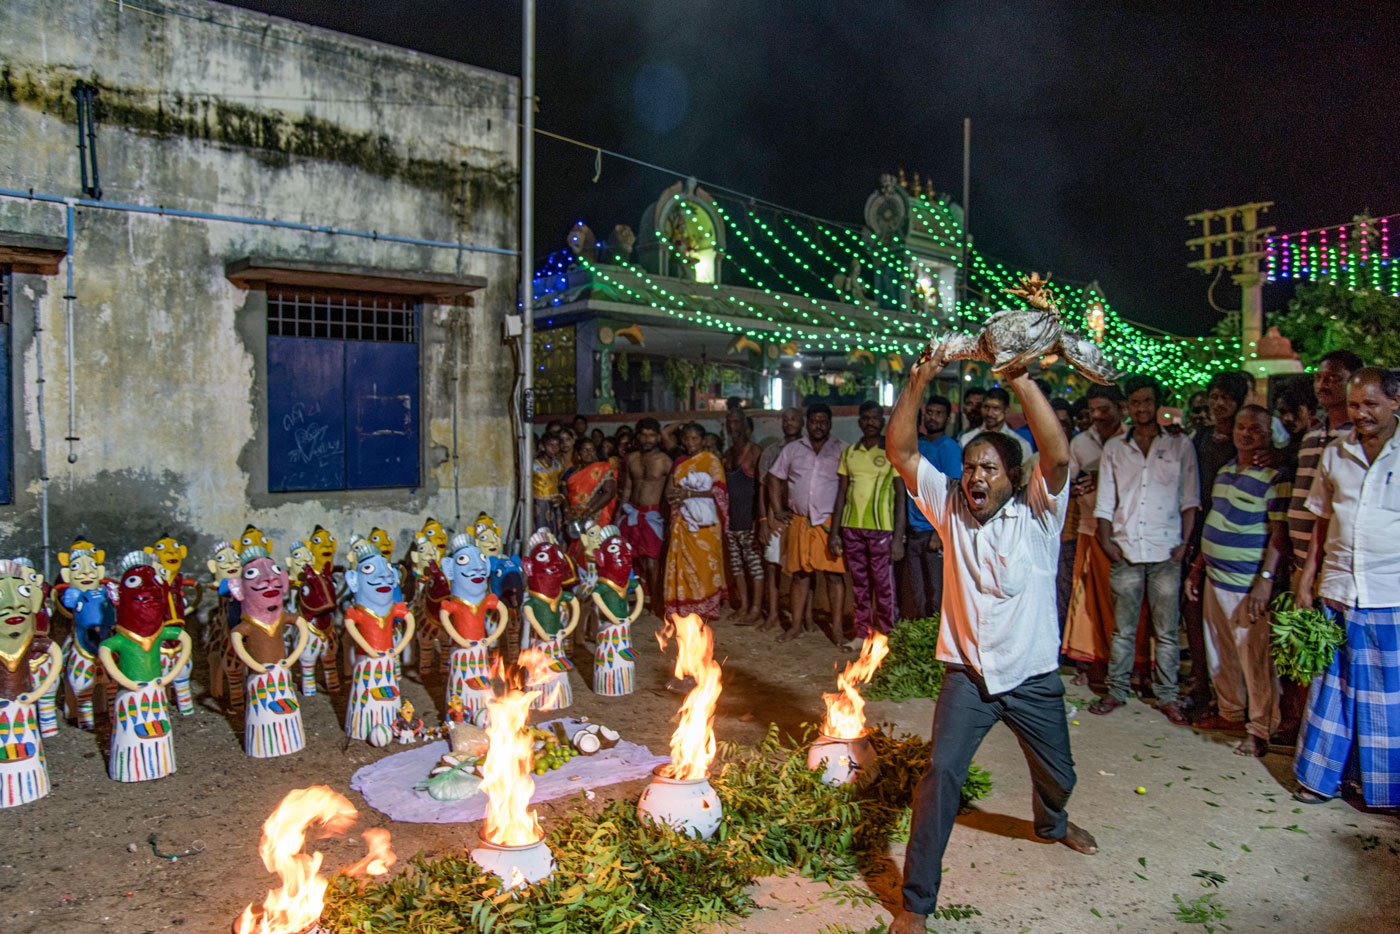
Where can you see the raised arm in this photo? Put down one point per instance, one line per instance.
(902, 432)
(1050, 439)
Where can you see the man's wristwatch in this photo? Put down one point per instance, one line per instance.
(1267, 575)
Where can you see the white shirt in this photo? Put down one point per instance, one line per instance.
(1085, 452)
(999, 614)
(1005, 429)
(1362, 564)
(1144, 495)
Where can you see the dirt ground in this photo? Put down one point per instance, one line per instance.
(80, 860)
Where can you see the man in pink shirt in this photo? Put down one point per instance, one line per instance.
(802, 486)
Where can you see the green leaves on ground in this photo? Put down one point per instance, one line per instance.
(912, 668)
(1204, 910)
(616, 874)
(1303, 641)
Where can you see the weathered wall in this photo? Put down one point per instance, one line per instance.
(254, 116)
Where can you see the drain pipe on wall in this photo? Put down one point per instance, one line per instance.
(527, 272)
(68, 298)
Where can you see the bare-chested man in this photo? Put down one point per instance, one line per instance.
(642, 483)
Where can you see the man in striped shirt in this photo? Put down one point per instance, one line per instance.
(1334, 372)
(1330, 384)
(1242, 547)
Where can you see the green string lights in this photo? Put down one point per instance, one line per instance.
(797, 272)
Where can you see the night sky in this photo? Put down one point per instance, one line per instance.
(1096, 129)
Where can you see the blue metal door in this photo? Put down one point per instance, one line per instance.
(305, 414)
(381, 394)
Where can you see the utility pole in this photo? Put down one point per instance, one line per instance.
(527, 270)
(1237, 247)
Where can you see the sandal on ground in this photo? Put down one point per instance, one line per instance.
(1106, 705)
(1307, 796)
(1252, 746)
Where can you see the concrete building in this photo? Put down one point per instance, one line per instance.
(328, 349)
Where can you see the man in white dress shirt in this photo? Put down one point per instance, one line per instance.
(1149, 497)
(994, 407)
(999, 635)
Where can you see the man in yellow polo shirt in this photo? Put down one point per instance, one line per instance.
(867, 528)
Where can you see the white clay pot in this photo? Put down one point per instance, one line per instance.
(515, 865)
(843, 761)
(690, 806)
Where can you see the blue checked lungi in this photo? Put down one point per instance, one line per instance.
(1356, 702)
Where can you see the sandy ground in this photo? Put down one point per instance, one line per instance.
(79, 860)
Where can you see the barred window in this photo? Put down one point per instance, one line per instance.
(342, 390)
(351, 316)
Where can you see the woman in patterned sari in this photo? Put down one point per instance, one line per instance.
(590, 490)
(694, 578)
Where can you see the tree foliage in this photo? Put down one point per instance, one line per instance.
(1323, 317)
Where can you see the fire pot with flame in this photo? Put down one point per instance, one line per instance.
(680, 793)
(512, 841)
(843, 751)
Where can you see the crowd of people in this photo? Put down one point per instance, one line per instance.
(1177, 540)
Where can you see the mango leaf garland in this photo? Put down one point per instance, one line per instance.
(912, 668)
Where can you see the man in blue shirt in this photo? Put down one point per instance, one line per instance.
(921, 572)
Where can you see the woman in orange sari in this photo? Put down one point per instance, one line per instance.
(590, 489)
(694, 578)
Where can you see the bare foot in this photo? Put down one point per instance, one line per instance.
(789, 634)
(1079, 840)
(1252, 746)
(769, 624)
(906, 922)
(1080, 678)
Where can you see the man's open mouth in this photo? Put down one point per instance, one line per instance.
(978, 498)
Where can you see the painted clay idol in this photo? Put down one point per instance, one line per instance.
(550, 614)
(474, 619)
(369, 622)
(315, 601)
(323, 547)
(23, 774)
(168, 555)
(225, 670)
(382, 540)
(507, 574)
(433, 531)
(142, 746)
(43, 664)
(253, 537)
(272, 723)
(614, 664)
(83, 595)
(424, 587)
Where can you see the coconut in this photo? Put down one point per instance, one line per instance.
(586, 742)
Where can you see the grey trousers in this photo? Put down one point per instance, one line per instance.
(1035, 712)
(1161, 581)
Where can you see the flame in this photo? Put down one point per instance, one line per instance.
(693, 743)
(379, 858)
(845, 709)
(295, 906)
(506, 773)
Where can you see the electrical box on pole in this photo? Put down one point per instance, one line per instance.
(1232, 241)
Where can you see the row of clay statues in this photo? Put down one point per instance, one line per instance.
(451, 599)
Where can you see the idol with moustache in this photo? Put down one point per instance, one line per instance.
(998, 633)
(272, 721)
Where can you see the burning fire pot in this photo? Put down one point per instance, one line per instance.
(689, 805)
(843, 750)
(680, 793)
(515, 865)
(512, 841)
(843, 760)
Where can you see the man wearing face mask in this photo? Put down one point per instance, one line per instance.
(998, 635)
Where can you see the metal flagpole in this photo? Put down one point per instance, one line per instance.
(527, 272)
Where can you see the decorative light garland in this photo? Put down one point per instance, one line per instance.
(796, 277)
(1355, 256)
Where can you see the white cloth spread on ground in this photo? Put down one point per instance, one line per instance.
(388, 785)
